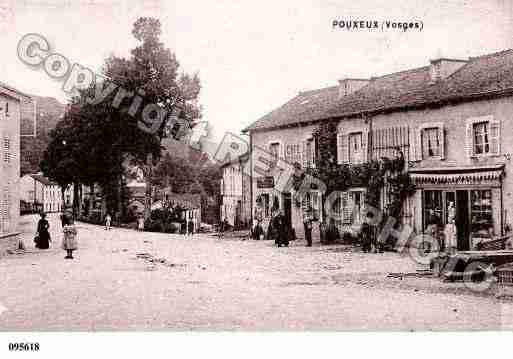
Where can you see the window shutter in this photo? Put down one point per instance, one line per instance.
(346, 209)
(7, 150)
(365, 145)
(441, 137)
(495, 143)
(418, 145)
(304, 159)
(339, 148)
(314, 152)
(350, 205)
(469, 140)
(342, 149)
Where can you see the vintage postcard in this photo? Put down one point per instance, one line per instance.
(294, 166)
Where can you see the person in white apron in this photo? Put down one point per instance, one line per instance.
(450, 230)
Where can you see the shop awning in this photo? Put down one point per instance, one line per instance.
(458, 175)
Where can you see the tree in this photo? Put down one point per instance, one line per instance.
(103, 137)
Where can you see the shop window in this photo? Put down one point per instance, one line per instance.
(481, 210)
(433, 208)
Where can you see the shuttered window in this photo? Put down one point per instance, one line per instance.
(5, 203)
(310, 153)
(430, 141)
(342, 148)
(483, 136)
(7, 150)
(293, 153)
(274, 149)
(353, 147)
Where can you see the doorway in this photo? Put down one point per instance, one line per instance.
(287, 209)
(462, 220)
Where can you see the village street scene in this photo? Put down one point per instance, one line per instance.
(129, 281)
(155, 189)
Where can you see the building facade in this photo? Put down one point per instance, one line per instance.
(449, 121)
(235, 193)
(43, 194)
(10, 102)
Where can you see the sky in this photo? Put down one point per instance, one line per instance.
(253, 56)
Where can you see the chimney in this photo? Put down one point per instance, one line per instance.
(440, 69)
(349, 85)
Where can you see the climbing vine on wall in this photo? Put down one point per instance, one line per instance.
(374, 175)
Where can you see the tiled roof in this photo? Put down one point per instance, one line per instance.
(485, 75)
(306, 106)
(10, 88)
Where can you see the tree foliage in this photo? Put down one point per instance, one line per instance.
(92, 142)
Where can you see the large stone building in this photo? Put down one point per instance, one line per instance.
(10, 102)
(449, 119)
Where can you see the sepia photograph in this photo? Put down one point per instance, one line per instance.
(292, 167)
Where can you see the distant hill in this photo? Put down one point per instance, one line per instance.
(38, 118)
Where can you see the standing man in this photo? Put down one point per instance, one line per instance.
(307, 221)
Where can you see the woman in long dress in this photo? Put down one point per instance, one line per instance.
(450, 230)
(277, 230)
(43, 235)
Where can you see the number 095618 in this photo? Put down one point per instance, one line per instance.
(24, 347)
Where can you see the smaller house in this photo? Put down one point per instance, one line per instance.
(44, 195)
(235, 193)
(189, 204)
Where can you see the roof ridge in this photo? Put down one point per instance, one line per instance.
(400, 72)
(307, 92)
(490, 54)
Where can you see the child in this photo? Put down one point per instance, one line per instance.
(69, 242)
(140, 223)
(108, 219)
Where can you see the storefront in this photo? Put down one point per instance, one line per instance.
(474, 192)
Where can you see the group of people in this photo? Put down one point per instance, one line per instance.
(280, 229)
(445, 235)
(43, 239)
